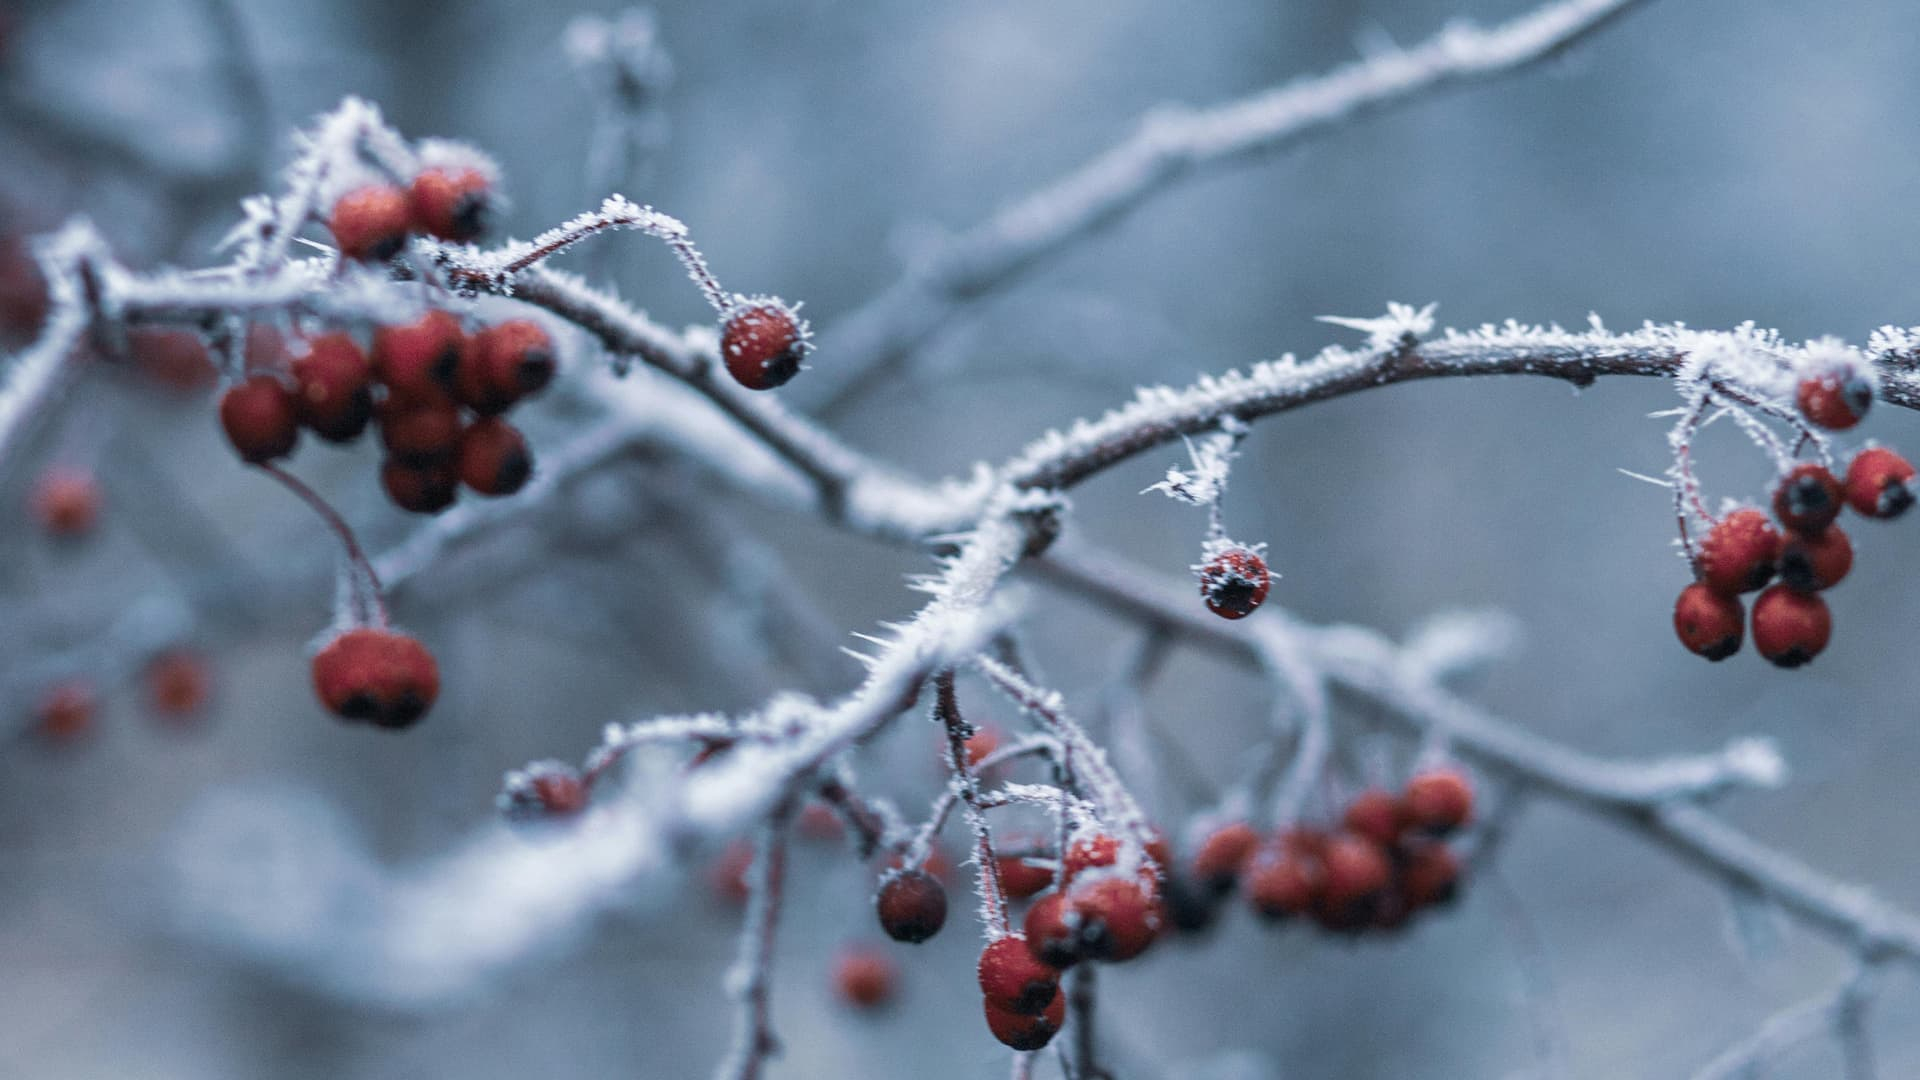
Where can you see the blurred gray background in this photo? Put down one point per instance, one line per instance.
(1710, 161)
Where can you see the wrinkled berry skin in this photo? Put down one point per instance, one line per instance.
(1790, 627)
(763, 345)
(1808, 498)
(912, 906)
(371, 223)
(379, 676)
(1708, 623)
(1812, 563)
(260, 419)
(1836, 400)
(1739, 553)
(1234, 582)
(1879, 483)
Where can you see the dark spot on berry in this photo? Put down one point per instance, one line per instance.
(1792, 658)
(514, 470)
(471, 215)
(445, 364)
(387, 247)
(534, 371)
(1235, 595)
(1858, 395)
(1894, 500)
(1808, 497)
(404, 710)
(360, 706)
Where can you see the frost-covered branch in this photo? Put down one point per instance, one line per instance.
(753, 1038)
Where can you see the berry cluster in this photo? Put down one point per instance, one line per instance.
(448, 202)
(1809, 553)
(441, 394)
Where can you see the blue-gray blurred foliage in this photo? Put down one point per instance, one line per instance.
(1710, 161)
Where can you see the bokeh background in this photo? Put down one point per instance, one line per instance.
(1710, 161)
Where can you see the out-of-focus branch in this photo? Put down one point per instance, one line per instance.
(1835, 1014)
(754, 1040)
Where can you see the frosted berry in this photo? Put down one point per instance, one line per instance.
(1790, 627)
(1835, 400)
(1808, 499)
(1053, 940)
(763, 345)
(1282, 881)
(1234, 581)
(452, 204)
(1739, 552)
(420, 357)
(66, 712)
(1812, 563)
(421, 430)
(1026, 1033)
(1089, 851)
(1709, 624)
(177, 684)
(1374, 814)
(333, 392)
(371, 223)
(912, 906)
(505, 363)
(1438, 800)
(420, 489)
(865, 977)
(1223, 854)
(382, 677)
(66, 501)
(543, 791)
(1021, 880)
(1429, 875)
(494, 459)
(1012, 978)
(1879, 483)
(1118, 918)
(260, 419)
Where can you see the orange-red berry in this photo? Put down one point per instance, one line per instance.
(1879, 483)
(1438, 800)
(728, 874)
(1812, 563)
(260, 419)
(1053, 939)
(419, 358)
(333, 391)
(1087, 852)
(1790, 627)
(66, 712)
(544, 790)
(1117, 918)
(1374, 814)
(763, 345)
(984, 740)
(505, 363)
(1021, 880)
(1429, 875)
(176, 359)
(1026, 1033)
(912, 906)
(421, 430)
(1354, 869)
(1012, 978)
(66, 501)
(452, 204)
(1709, 623)
(420, 489)
(1835, 400)
(865, 977)
(177, 683)
(1282, 880)
(1808, 498)
(382, 677)
(1739, 552)
(1234, 581)
(817, 821)
(494, 459)
(371, 223)
(1223, 854)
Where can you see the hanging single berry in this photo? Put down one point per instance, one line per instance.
(1709, 624)
(260, 419)
(1376, 815)
(865, 977)
(333, 391)
(1879, 483)
(912, 906)
(1234, 580)
(1027, 1033)
(418, 359)
(1012, 978)
(1739, 552)
(494, 459)
(380, 676)
(1438, 800)
(763, 344)
(1790, 627)
(66, 712)
(1808, 498)
(420, 489)
(1222, 855)
(371, 223)
(66, 501)
(451, 204)
(177, 684)
(1836, 399)
(1812, 563)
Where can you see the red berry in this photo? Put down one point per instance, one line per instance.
(66, 501)
(1282, 881)
(420, 358)
(984, 740)
(763, 345)
(66, 712)
(260, 419)
(1811, 563)
(1014, 979)
(912, 906)
(865, 977)
(24, 300)
(1355, 869)
(1879, 483)
(1709, 624)
(1026, 1033)
(1808, 499)
(380, 676)
(1739, 552)
(333, 392)
(1089, 851)
(1835, 400)
(1051, 938)
(543, 791)
(1429, 875)
(421, 430)
(494, 459)
(177, 684)
(728, 874)
(371, 223)
(1374, 814)
(420, 489)
(505, 363)
(817, 821)
(1118, 918)
(174, 358)
(1021, 880)
(1790, 627)
(1223, 854)
(1438, 800)
(452, 204)
(1234, 581)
